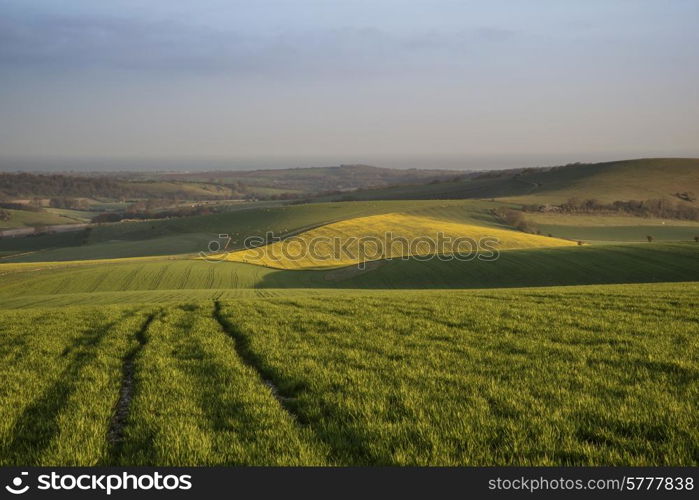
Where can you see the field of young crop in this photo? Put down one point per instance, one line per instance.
(163, 359)
(602, 228)
(578, 375)
(27, 284)
(638, 179)
(24, 218)
(190, 235)
(61, 373)
(386, 236)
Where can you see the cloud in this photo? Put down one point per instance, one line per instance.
(120, 43)
(70, 43)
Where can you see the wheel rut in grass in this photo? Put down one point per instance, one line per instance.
(242, 348)
(115, 434)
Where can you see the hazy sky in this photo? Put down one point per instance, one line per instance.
(392, 82)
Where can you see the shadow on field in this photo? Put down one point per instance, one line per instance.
(36, 427)
(345, 444)
(251, 359)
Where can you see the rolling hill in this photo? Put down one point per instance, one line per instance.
(193, 234)
(170, 279)
(393, 363)
(22, 185)
(385, 236)
(100, 260)
(614, 228)
(24, 218)
(316, 179)
(638, 179)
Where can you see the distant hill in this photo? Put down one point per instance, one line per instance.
(642, 179)
(14, 185)
(318, 179)
(621, 180)
(262, 184)
(610, 181)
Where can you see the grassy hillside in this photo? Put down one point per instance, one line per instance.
(638, 179)
(26, 218)
(385, 236)
(317, 179)
(383, 378)
(606, 228)
(42, 283)
(186, 190)
(620, 180)
(463, 187)
(121, 345)
(193, 234)
(24, 184)
(541, 267)
(77, 216)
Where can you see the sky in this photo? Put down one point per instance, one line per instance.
(399, 83)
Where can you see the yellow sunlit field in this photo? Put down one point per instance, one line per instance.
(385, 236)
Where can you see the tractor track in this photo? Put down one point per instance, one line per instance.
(242, 349)
(115, 434)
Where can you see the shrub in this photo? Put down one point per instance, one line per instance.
(516, 219)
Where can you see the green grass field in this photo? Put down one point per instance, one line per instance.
(617, 180)
(580, 375)
(195, 190)
(190, 235)
(29, 283)
(121, 346)
(605, 229)
(59, 382)
(25, 218)
(74, 215)
(610, 181)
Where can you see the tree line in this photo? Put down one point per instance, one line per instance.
(139, 213)
(57, 185)
(18, 185)
(661, 208)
